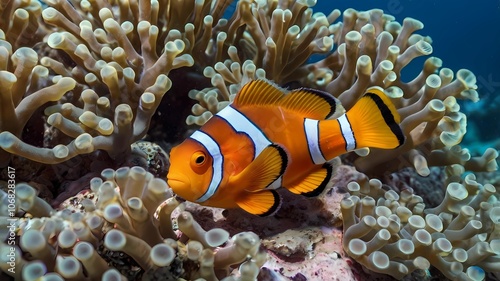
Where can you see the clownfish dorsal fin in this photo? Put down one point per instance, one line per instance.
(314, 183)
(258, 92)
(262, 203)
(264, 170)
(311, 103)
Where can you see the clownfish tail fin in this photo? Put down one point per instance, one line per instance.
(375, 121)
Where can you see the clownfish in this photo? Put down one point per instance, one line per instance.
(267, 138)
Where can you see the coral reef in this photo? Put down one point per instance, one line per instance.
(116, 61)
(20, 102)
(85, 82)
(396, 234)
(122, 227)
(117, 81)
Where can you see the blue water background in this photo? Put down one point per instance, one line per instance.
(465, 34)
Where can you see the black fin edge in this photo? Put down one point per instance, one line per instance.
(322, 186)
(324, 95)
(388, 117)
(274, 208)
(284, 162)
(284, 159)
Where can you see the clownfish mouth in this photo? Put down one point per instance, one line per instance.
(180, 185)
(177, 186)
(172, 182)
(177, 181)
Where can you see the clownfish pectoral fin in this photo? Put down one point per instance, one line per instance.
(375, 121)
(261, 203)
(314, 183)
(311, 103)
(258, 92)
(264, 170)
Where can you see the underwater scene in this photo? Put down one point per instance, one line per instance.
(249, 140)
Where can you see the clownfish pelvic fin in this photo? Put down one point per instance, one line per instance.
(262, 203)
(262, 172)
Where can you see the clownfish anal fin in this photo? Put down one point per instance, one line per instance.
(314, 183)
(261, 203)
(264, 170)
(258, 92)
(311, 103)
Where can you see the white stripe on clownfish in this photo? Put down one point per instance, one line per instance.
(241, 124)
(347, 133)
(217, 164)
(311, 129)
(276, 184)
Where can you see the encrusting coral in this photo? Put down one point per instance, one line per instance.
(127, 211)
(90, 79)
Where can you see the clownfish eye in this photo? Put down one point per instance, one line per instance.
(198, 158)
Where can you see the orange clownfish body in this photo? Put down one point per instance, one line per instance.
(267, 138)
